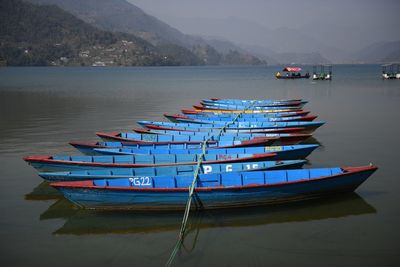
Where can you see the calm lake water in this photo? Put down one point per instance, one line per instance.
(41, 109)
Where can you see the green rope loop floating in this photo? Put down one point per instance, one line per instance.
(192, 186)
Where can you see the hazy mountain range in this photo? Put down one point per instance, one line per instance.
(302, 43)
(127, 35)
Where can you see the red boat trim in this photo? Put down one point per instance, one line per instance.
(89, 183)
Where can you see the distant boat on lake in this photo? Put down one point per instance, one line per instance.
(292, 73)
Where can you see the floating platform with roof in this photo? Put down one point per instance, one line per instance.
(292, 73)
(322, 72)
(391, 71)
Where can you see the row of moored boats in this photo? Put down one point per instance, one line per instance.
(237, 153)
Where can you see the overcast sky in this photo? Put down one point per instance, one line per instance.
(345, 23)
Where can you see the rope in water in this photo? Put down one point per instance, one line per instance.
(192, 186)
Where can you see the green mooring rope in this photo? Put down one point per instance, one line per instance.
(191, 188)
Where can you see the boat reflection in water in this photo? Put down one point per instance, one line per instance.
(44, 191)
(87, 222)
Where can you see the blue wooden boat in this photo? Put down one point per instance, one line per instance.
(282, 152)
(239, 106)
(178, 137)
(226, 190)
(247, 114)
(285, 102)
(239, 126)
(117, 173)
(218, 119)
(87, 147)
(76, 163)
(281, 138)
(236, 131)
(252, 108)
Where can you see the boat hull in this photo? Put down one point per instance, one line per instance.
(212, 198)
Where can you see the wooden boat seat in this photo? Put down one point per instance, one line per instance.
(145, 172)
(209, 157)
(160, 151)
(186, 158)
(104, 159)
(143, 159)
(167, 171)
(185, 169)
(124, 160)
(81, 158)
(164, 158)
(196, 138)
(209, 180)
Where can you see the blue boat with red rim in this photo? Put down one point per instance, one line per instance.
(282, 152)
(213, 119)
(87, 147)
(174, 136)
(247, 113)
(214, 191)
(308, 127)
(166, 158)
(253, 106)
(248, 107)
(275, 138)
(284, 102)
(72, 163)
(117, 173)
